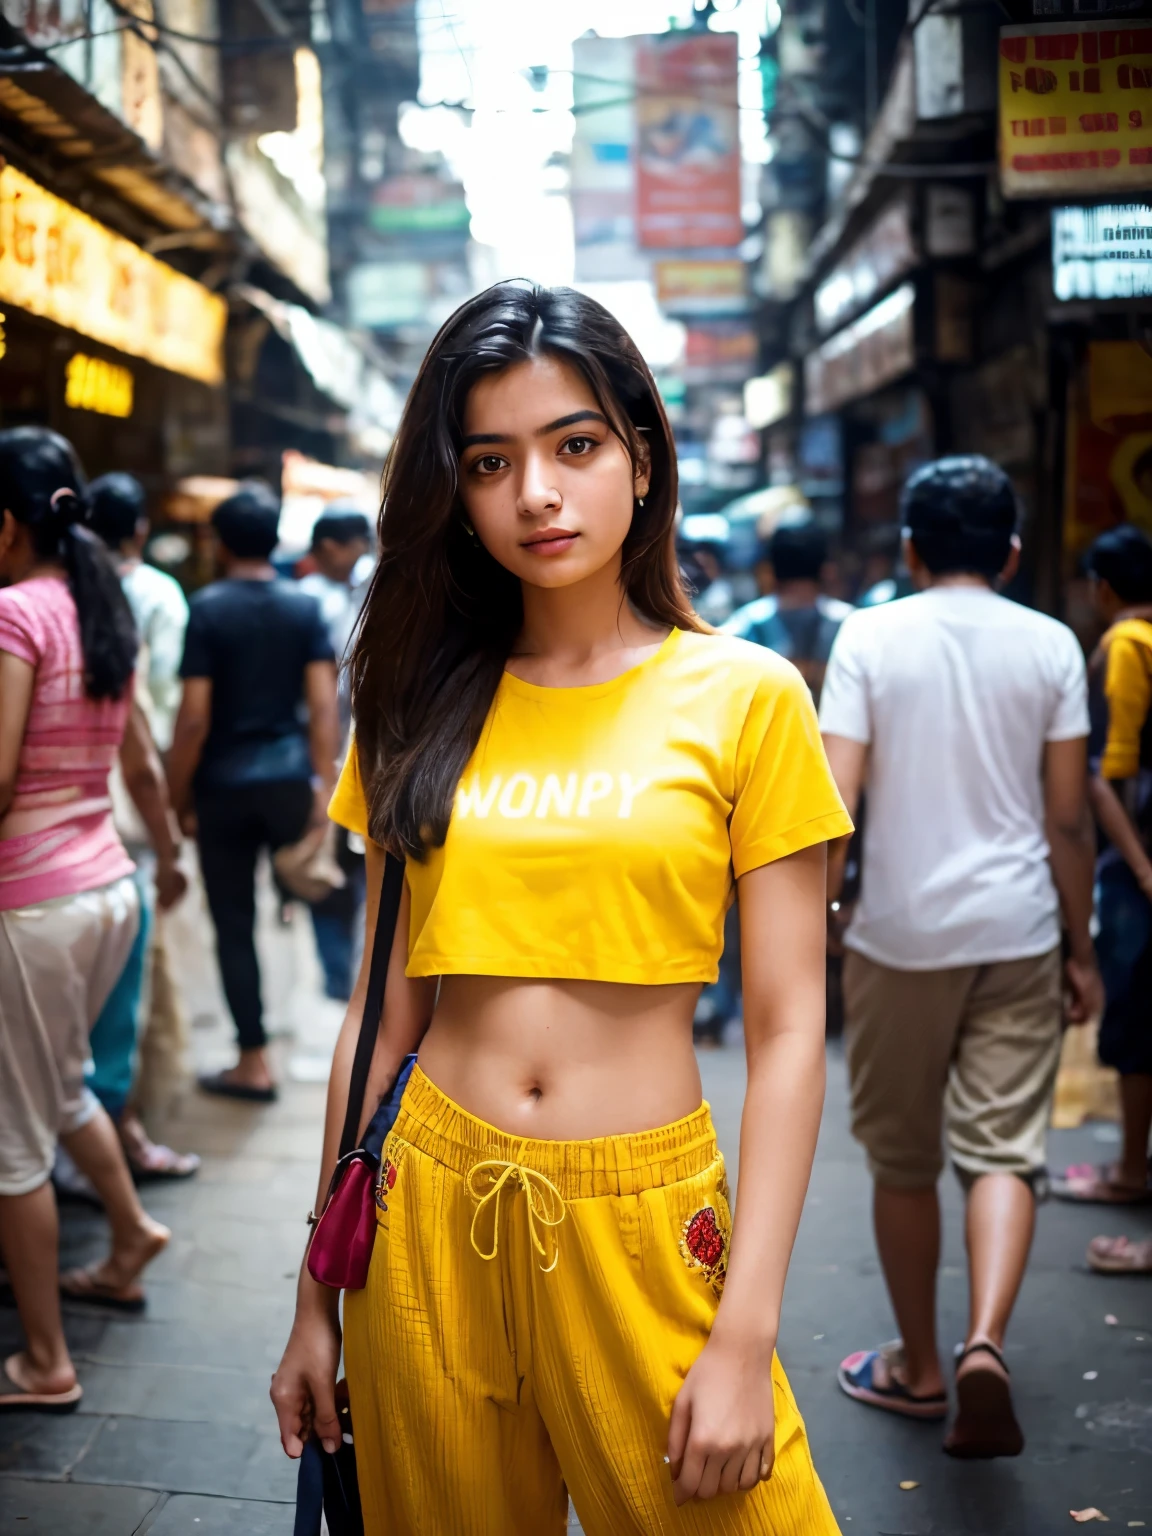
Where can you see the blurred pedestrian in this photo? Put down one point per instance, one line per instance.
(145, 997)
(1120, 693)
(254, 749)
(341, 539)
(967, 714)
(794, 618)
(119, 515)
(69, 911)
(573, 768)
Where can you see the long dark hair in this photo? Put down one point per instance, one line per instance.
(442, 615)
(42, 485)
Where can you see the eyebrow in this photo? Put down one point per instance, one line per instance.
(478, 438)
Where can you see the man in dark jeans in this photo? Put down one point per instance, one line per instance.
(254, 748)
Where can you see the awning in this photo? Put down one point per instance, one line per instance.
(339, 363)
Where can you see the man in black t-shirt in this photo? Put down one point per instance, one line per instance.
(254, 748)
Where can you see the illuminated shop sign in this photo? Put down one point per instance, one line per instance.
(1103, 252)
(58, 263)
(94, 384)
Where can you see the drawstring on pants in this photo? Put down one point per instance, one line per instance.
(544, 1203)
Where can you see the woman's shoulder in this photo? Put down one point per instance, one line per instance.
(32, 606)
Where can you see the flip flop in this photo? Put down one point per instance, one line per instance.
(17, 1398)
(1085, 1184)
(224, 1087)
(1118, 1256)
(162, 1163)
(984, 1413)
(81, 1285)
(857, 1377)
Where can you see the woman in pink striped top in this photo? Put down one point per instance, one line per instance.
(68, 906)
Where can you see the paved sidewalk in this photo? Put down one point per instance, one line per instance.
(176, 1435)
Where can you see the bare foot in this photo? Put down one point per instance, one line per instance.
(985, 1423)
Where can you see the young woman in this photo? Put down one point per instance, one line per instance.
(574, 770)
(69, 911)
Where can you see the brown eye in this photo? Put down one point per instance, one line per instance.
(579, 445)
(488, 464)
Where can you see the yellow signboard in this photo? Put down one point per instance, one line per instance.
(93, 384)
(1075, 108)
(58, 263)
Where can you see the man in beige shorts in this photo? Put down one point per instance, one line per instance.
(966, 716)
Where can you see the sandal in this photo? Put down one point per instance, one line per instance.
(1086, 1184)
(857, 1376)
(985, 1423)
(82, 1285)
(1118, 1256)
(15, 1397)
(227, 1087)
(155, 1161)
(148, 1159)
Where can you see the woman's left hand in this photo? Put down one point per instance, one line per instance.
(722, 1433)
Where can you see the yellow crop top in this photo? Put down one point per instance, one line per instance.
(596, 830)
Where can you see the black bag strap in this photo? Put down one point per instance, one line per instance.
(390, 893)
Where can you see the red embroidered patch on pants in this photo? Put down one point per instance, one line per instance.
(705, 1247)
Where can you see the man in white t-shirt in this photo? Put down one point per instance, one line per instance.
(966, 714)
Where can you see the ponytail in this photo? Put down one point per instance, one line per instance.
(42, 485)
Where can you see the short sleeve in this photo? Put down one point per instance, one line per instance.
(845, 704)
(1070, 711)
(197, 660)
(319, 646)
(785, 796)
(20, 634)
(347, 807)
(1127, 696)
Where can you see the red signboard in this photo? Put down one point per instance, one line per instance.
(688, 152)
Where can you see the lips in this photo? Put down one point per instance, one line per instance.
(552, 541)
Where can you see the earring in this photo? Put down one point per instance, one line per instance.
(640, 501)
(469, 530)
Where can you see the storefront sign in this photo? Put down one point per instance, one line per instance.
(94, 384)
(58, 263)
(702, 288)
(724, 352)
(415, 204)
(870, 352)
(1102, 252)
(1075, 108)
(1108, 465)
(884, 252)
(688, 133)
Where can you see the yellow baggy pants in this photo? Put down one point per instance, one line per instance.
(532, 1310)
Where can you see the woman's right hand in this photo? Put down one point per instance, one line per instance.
(304, 1387)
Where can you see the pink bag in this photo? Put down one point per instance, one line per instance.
(341, 1246)
(340, 1250)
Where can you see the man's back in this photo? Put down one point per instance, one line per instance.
(253, 639)
(957, 691)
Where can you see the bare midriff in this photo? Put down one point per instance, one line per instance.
(564, 1060)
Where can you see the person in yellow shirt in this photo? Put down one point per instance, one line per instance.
(1120, 755)
(578, 773)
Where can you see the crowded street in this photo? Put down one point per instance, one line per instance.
(176, 1436)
